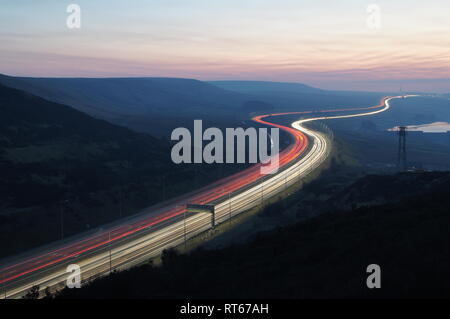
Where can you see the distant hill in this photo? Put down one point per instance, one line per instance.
(286, 96)
(256, 87)
(158, 105)
(127, 96)
(257, 106)
(144, 104)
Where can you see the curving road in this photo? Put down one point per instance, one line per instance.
(134, 240)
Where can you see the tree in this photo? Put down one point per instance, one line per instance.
(48, 293)
(33, 293)
(168, 257)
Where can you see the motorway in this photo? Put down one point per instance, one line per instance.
(134, 240)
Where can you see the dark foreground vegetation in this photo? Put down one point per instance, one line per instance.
(324, 257)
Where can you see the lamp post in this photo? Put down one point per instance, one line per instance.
(184, 222)
(4, 283)
(262, 194)
(110, 257)
(229, 202)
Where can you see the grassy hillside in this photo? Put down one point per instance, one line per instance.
(56, 159)
(324, 257)
(36, 132)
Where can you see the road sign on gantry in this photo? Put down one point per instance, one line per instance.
(197, 208)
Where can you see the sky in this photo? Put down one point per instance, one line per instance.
(324, 43)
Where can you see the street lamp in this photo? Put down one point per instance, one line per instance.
(229, 202)
(184, 222)
(110, 257)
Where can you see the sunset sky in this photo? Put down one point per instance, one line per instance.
(322, 43)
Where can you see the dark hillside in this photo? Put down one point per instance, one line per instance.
(152, 105)
(55, 160)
